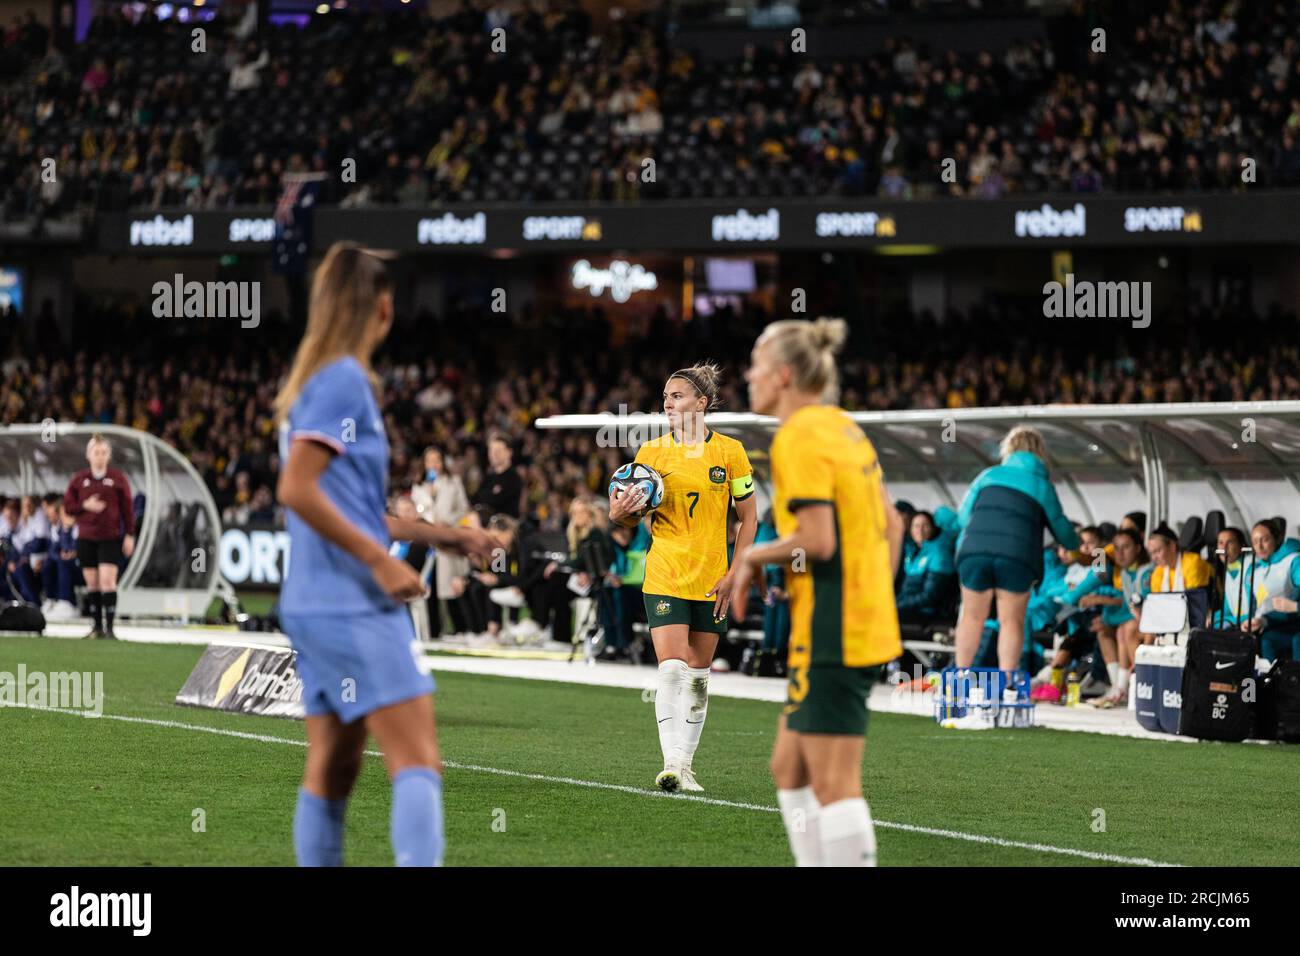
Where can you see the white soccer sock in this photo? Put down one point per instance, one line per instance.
(695, 707)
(1112, 673)
(1121, 678)
(847, 836)
(800, 812)
(668, 705)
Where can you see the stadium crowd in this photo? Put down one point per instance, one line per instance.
(1181, 97)
(211, 399)
(38, 547)
(462, 446)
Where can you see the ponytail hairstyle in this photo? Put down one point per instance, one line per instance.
(345, 292)
(809, 348)
(705, 379)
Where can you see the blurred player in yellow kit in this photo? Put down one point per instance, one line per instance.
(688, 586)
(839, 541)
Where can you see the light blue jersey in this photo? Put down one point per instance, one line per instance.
(337, 408)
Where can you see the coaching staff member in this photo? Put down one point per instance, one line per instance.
(100, 499)
(1000, 550)
(502, 491)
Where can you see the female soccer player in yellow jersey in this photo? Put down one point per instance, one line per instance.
(840, 539)
(688, 586)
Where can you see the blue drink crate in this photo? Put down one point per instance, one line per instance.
(956, 700)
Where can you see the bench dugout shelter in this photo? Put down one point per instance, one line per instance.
(173, 573)
(1173, 461)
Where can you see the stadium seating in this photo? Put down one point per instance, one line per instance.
(159, 126)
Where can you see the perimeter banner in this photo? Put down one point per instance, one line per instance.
(245, 680)
(1068, 221)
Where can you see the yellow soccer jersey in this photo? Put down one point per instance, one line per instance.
(842, 610)
(688, 551)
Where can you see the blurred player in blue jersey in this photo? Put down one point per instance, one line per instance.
(342, 602)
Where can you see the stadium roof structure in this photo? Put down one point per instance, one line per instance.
(174, 570)
(1172, 460)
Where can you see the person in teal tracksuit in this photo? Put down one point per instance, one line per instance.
(1043, 603)
(929, 574)
(1112, 587)
(1277, 591)
(1237, 602)
(905, 511)
(776, 609)
(999, 551)
(1062, 598)
(620, 601)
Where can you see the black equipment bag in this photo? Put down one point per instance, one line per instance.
(1278, 708)
(1220, 670)
(1219, 676)
(17, 616)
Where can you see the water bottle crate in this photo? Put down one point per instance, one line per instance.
(980, 690)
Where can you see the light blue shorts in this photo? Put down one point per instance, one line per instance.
(354, 664)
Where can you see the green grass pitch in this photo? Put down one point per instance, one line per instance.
(77, 791)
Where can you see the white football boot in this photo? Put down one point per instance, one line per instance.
(689, 783)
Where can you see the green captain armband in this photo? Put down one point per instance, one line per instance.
(742, 488)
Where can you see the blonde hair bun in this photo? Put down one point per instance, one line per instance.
(829, 334)
(705, 378)
(808, 347)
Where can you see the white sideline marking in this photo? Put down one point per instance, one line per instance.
(624, 788)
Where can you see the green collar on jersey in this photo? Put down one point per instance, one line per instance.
(708, 436)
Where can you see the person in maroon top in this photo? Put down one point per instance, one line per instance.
(100, 499)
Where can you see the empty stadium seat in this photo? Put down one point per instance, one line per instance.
(1214, 523)
(1191, 534)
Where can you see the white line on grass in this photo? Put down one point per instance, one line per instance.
(623, 788)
